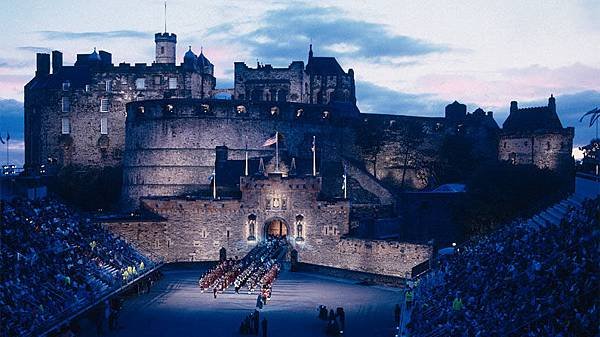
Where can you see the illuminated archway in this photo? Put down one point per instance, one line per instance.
(276, 227)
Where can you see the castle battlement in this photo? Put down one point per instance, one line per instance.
(239, 109)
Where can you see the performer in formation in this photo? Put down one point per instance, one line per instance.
(255, 272)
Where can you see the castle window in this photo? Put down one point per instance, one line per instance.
(548, 146)
(162, 50)
(65, 126)
(228, 234)
(66, 85)
(299, 113)
(108, 85)
(504, 145)
(325, 114)
(66, 104)
(526, 143)
(140, 83)
(87, 88)
(104, 105)
(172, 82)
(104, 126)
(157, 80)
(240, 109)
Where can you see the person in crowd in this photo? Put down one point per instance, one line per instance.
(523, 279)
(56, 262)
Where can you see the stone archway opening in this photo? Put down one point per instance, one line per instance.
(276, 228)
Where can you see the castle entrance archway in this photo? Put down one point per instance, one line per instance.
(276, 227)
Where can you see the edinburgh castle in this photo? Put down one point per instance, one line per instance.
(200, 177)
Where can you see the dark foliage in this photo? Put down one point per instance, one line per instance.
(498, 193)
(591, 156)
(89, 188)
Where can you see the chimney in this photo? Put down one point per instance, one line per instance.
(514, 106)
(43, 64)
(57, 61)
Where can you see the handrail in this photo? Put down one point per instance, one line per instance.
(61, 321)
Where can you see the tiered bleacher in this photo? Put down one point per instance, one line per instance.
(533, 278)
(56, 262)
(255, 271)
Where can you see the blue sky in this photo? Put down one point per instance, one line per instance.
(409, 57)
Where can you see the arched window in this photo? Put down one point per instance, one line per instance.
(282, 95)
(299, 227)
(251, 227)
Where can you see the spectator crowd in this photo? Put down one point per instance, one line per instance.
(526, 279)
(255, 272)
(56, 262)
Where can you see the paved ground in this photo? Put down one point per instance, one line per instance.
(175, 307)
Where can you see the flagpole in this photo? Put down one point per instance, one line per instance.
(276, 151)
(215, 184)
(314, 159)
(246, 167)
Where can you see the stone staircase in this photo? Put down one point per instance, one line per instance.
(555, 213)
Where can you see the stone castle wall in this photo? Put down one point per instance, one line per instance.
(195, 230)
(544, 149)
(84, 144)
(173, 153)
(266, 83)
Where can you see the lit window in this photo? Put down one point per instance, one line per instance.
(157, 80)
(104, 126)
(108, 85)
(104, 105)
(140, 83)
(66, 85)
(173, 83)
(66, 126)
(240, 109)
(66, 104)
(87, 88)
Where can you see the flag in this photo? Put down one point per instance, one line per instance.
(2, 140)
(211, 177)
(344, 177)
(271, 140)
(313, 148)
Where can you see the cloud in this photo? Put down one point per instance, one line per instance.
(114, 34)
(285, 33)
(499, 88)
(372, 98)
(35, 49)
(9, 63)
(11, 118)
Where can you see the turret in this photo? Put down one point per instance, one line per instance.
(310, 52)
(552, 103)
(165, 47)
(514, 106)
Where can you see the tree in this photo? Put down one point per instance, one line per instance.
(370, 142)
(410, 136)
(591, 155)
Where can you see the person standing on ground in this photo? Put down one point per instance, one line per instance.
(256, 321)
(397, 314)
(264, 327)
(215, 292)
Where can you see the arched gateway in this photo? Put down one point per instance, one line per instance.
(276, 227)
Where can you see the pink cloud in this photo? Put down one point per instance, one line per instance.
(510, 84)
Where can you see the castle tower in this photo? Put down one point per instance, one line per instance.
(165, 47)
